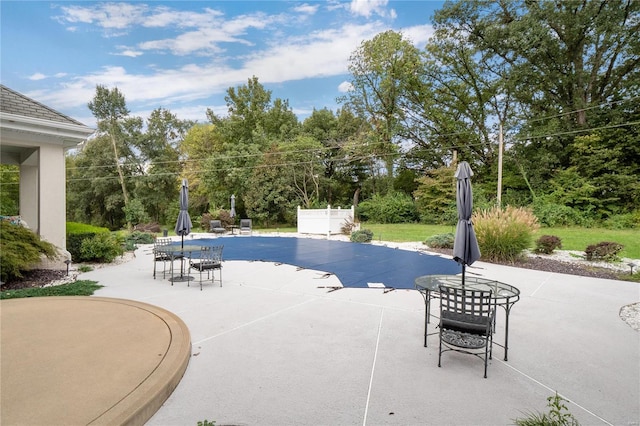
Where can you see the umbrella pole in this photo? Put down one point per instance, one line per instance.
(463, 273)
(182, 257)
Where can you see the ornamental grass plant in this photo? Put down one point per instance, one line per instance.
(504, 234)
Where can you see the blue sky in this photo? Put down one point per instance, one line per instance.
(183, 56)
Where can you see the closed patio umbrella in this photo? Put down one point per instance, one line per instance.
(465, 245)
(183, 224)
(232, 212)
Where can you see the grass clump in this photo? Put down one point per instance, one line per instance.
(77, 288)
(504, 234)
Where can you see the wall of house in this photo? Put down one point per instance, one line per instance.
(53, 194)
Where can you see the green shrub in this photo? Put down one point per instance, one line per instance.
(623, 221)
(101, 248)
(436, 196)
(547, 244)
(132, 240)
(205, 222)
(503, 234)
(77, 233)
(551, 214)
(20, 249)
(391, 208)
(606, 251)
(441, 241)
(362, 236)
(134, 212)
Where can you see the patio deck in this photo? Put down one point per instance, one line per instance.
(276, 346)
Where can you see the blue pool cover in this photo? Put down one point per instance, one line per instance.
(355, 264)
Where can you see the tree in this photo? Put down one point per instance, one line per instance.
(253, 126)
(159, 158)
(109, 108)
(341, 175)
(201, 142)
(270, 197)
(383, 71)
(465, 96)
(94, 193)
(568, 65)
(301, 158)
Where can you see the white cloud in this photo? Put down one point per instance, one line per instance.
(60, 75)
(314, 54)
(37, 76)
(131, 53)
(105, 15)
(306, 9)
(322, 53)
(418, 34)
(345, 87)
(368, 7)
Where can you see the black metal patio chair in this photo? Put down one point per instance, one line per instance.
(210, 260)
(160, 256)
(466, 322)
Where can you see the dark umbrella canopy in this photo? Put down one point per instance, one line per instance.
(465, 245)
(183, 224)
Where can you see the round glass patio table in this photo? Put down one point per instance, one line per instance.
(177, 251)
(502, 294)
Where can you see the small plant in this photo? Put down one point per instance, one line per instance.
(206, 423)
(348, 226)
(605, 250)
(85, 268)
(362, 236)
(558, 415)
(547, 244)
(441, 241)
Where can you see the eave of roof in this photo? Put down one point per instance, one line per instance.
(70, 134)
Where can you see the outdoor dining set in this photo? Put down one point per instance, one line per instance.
(191, 256)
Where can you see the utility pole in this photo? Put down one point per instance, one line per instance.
(500, 142)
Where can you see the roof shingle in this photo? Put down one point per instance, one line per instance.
(12, 102)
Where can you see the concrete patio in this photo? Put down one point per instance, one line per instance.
(276, 346)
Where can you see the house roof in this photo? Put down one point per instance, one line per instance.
(26, 124)
(12, 102)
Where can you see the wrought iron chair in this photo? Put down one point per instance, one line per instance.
(160, 256)
(466, 322)
(245, 226)
(210, 260)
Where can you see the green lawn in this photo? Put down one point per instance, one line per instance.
(572, 238)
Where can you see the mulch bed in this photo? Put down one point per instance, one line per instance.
(34, 278)
(550, 265)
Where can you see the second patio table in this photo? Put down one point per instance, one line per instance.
(504, 295)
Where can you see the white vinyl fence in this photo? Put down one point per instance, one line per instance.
(323, 221)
